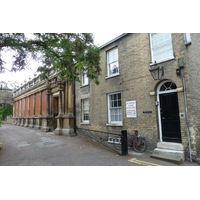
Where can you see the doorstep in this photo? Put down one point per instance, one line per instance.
(169, 151)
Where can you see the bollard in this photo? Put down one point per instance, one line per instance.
(124, 142)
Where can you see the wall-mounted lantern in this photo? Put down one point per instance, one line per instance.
(157, 72)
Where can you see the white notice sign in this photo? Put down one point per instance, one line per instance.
(131, 109)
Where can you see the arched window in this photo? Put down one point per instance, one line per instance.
(167, 86)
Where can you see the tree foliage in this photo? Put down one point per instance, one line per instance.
(70, 54)
(5, 110)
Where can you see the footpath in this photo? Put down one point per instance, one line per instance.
(28, 147)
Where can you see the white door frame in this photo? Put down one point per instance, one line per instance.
(158, 103)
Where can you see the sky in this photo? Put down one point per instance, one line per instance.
(21, 76)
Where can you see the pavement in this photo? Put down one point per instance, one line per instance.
(29, 147)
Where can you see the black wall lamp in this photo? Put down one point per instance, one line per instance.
(180, 66)
(157, 72)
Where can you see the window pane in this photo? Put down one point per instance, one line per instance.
(85, 79)
(113, 66)
(161, 44)
(85, 110)
(115, 107)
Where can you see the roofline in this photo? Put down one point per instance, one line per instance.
(113, 40)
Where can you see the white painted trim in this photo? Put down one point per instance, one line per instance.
(117, 74)
(159, 116)
(164, 59)
(107, 64)
(118, 123)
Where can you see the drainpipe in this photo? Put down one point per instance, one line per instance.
(75, 128)
(181, 66)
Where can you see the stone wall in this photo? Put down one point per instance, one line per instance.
(192, 74)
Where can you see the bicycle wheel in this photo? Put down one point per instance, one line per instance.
(140, 146)
(117, 145)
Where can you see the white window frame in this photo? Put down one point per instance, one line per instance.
(85, 79)
(168, 57)
(187, 39)
(83, 111)
(110, 122)
(109, 63)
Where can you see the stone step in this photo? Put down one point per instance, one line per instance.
(173, 155)
(165, 157)
(170, 145)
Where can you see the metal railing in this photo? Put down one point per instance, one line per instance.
(115, 141)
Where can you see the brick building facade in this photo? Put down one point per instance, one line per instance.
(166, 111)
(45, 104)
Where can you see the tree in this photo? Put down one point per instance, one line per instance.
(70, 54)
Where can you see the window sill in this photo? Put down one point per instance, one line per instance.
(85, 123)
(108, 77)
(163, 60)
(84, 85)
(114, 124)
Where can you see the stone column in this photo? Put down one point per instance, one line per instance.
(58, 130)
(68, 118)
(20, 118)
(14, 121)
(38, 119)
(27, 117)
(47, 120)
(32, 118)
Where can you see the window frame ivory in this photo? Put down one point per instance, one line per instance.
(85, 79)
(163, 44)
(110, 120)
(83, 111)
(112, 62)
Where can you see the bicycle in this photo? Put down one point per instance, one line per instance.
(134, 141)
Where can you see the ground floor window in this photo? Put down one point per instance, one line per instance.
(85, 110)
(114, 108)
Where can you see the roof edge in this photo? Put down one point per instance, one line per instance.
(113, 40)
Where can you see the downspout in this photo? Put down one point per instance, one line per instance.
(186, 111)
(75, 132)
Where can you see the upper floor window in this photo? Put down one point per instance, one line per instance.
(161, 47)
(112, 62)
(85, 110)
(85, 80)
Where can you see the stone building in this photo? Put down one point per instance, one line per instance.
(45, 104)
(6, 101)
(165, 109)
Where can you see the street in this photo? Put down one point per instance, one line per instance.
(29, 147)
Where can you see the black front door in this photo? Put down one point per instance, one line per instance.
(170, 120)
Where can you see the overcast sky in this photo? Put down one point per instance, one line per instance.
(20, 77)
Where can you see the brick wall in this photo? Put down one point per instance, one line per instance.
(31, 105)
(37, 104)
(44, 102)
(134, 83)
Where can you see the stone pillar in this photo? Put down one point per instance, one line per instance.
(28, 108)
(14, 114)
(47, 120)
(38, 119)
(58, 130)
(68, 118)
(21, 113)
(32, 118)
(18, 113)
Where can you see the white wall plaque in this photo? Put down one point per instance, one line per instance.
(131, 109)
